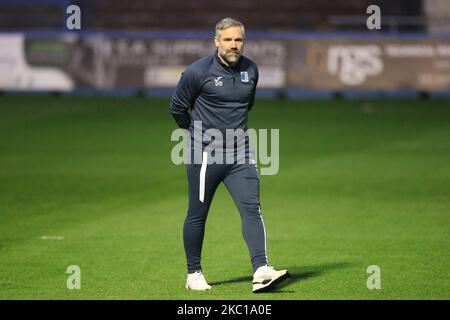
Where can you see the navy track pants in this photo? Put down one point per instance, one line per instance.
(242, 181)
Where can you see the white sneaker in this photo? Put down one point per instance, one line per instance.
(266, 278)
(197, 281)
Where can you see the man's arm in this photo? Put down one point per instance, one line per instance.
(187, 91)
(252, 97)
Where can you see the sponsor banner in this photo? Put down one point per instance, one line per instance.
(159, 63)
(70, 61)
(104, 63)
(375, 65)
(17, 73)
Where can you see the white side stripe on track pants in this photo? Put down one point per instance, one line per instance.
(202, 176)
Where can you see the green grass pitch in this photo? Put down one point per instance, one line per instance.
(360, 183)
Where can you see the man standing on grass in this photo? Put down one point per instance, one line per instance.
(220, 90)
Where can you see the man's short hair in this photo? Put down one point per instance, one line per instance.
(228, 23)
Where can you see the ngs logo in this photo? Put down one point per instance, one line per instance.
(353, 64)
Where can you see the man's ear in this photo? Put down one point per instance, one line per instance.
(216, 41)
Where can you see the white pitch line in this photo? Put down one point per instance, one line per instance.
(52, 238)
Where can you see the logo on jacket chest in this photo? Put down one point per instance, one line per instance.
(244, 76)
(217, 82)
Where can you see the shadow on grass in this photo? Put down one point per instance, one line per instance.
(296, 274)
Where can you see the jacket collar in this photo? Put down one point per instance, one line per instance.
(236, 67)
